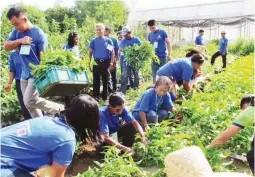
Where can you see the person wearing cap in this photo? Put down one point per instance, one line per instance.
(159, 39)
(102, 49)
(199, 39)
(30, 41)
(223, 50)
(129, 40)
(117, 122)
(181, 70)
(244, 120)
(112, 85)
(15, 72)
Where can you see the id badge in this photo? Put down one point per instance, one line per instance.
(110, 47)
(155, 45)
(25, 50)
(115, 136)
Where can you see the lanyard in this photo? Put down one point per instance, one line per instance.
(157, 103)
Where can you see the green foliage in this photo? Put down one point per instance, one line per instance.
(60, 58)
(69, 24)
(136, 56)
(242, 47)
(115, 165)
(215, 41)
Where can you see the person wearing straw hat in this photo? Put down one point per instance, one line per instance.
(181, 70)
(223, 50)
(191, 162)
(244, 119)
(30, 41)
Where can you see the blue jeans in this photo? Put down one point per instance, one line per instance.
(155, 67)
(125, 75)
(14, 172)
(152, 116)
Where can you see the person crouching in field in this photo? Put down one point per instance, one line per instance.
(244, 119)
(116, 122)
(181, 70)
(155, 103)
(48, 142)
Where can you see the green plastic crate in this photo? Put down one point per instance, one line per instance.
(57, 81)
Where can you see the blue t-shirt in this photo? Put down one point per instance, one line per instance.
(38, 45)
(110, 123)
(36, 143)
(223, 42)
(115, 44)
(151, 101)
(179, 69)
(199, 40)
(157, 39)
(15, 64)
(74, 49)
(128, 42)
(99, 47)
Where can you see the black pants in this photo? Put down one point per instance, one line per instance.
(101, 70)
(24, 110)
(224, 59)
(112, 84)
(250, 157)
(126, 134)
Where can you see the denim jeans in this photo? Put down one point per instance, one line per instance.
(155, 67)
(35, 104)
(24, 110)
(224, 58)
(126, 74)
(152, 116)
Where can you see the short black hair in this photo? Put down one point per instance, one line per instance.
(151, 22)
(116, 99)
(198, 58)
(107, 28)
(15, 11)
(71, 37)
(201, 31)
(189, 54)
(119, 32)
(247, 99)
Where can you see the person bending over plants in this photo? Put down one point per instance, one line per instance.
(244, 119)
(47, 144)
(116, 123)
(155, 103)
(181, 70)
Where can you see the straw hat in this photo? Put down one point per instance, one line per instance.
(199, 49)
(191, 162)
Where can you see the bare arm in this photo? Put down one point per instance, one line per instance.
(10, 45)
(225, 136)
(90, 54)
(169, 48)
(186, 86)
(55, 170)
(11, 78)
(109, 140)
(172, 109)
(138, 128)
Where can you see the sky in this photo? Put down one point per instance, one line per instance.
(132, 4)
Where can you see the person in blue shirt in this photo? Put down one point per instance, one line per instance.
(15, 73)
(181, 70)
(223, 50)
(46, 144)
(112, 85)
(129, 40)
(199, 39)
(155, 103)
(116, 119)
(102, 50)
(30, 41)
(159, 39)
(73, 44)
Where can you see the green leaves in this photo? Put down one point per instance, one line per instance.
(137, 56)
